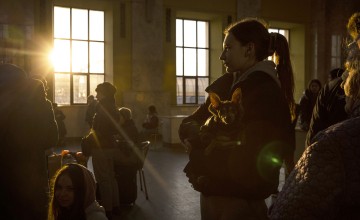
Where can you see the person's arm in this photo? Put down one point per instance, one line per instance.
(319, 116)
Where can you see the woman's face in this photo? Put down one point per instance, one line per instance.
(235, 56)
(64, 191)
(314, 88)
(99, 96)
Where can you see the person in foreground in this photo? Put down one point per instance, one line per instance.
(251, 172)
(28, 131)
(325, 181)
(73, 195)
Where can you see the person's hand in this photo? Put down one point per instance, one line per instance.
(187, 146)
(199, 183)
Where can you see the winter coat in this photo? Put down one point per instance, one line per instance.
(129, 153)
(307, 103)
(60, 117)
(90, 112)
(267, 131)
(329, 108)
(325, 182)
(28, 129)
(105, 122)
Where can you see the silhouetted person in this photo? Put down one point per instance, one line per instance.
(27, 130)
(151, 123)
(90, 110)
(105, 127)
(329, 107)
(60, 117)
(307, 103)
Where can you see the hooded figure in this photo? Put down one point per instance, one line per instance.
(80, 203)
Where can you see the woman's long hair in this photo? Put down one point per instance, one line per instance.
(266, 44)
(76, 212)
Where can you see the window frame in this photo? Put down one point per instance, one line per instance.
(196, 77)
(73, 74)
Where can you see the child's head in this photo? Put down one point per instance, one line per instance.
(73, 188)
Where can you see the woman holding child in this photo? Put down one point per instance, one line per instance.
(252, 169)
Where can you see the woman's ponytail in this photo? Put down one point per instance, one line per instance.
(278, 46)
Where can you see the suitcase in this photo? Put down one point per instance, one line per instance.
(127, 184)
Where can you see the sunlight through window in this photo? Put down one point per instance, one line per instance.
(78, 55)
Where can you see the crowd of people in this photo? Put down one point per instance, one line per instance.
(322, 185)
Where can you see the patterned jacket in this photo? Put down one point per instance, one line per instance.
(325, 183)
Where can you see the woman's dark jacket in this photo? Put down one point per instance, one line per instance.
(28, 129)
(253, 168)
(105, 122)
(307, 103)
(329, 108)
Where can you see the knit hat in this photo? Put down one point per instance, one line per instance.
(126, 113)
(106, 88)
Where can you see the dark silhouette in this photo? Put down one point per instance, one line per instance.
(328, 109)
(127, 160)
(105, 127)
(60, 117)
(28, 129)
(307, 103)
(151, 123)
(90, 110)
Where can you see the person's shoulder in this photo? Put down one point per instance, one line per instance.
(260, 77)
(224, 80)
(95, 212)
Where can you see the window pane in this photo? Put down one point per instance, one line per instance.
(97, 25)
(202, 84)
(94, 81)
(179, 32)
(179, 90)
(203, 62)
(79, 24)
(61, 22)
(96, 57)
(80, 56)
(62, 89)
(61, 54)
(189, 33)
(271, 30)
(179, 62)
(80, 89)
(190, 92)
(189, 62)
(202, 34)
